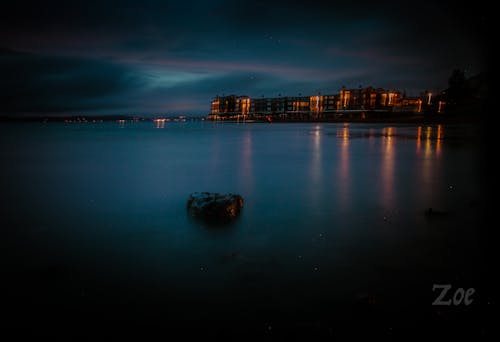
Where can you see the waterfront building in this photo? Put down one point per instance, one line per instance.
(354, 102)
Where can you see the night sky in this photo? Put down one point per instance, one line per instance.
(172, 57)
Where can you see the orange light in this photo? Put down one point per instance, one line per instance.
(391, 97)
(419, 138)
(160, 123)
(439, 139)
(384, 99)
(440, 106)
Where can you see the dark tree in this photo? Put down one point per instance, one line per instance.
(456, 86)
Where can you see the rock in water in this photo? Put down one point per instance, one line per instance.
(214, 206)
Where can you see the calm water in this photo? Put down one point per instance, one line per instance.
(333, 230)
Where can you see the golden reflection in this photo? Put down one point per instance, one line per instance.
(344, 134)
(159, 123)
(344, 179)
(428, 143)
(389, 133)
(316, 155)
(317, 129)
(433, 141)
(315, 167)
(439, 140)
(388, 164)
(430, 163)
(419, 138)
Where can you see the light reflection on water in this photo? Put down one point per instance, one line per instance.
(431, 158)
(344, 178)
(388, 165)
(316, 164)
(109, 200)
(419, 139)
(439, 140)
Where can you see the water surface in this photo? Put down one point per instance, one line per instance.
(95, 229)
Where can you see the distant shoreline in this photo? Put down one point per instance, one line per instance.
(422, 119)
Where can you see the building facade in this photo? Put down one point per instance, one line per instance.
(347, 101)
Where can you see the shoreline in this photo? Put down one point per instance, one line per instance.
(442, 119)
(416, 120)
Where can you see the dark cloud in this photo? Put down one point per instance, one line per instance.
(165, 55)
(36, 83)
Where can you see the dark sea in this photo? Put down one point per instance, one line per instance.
(345, 230)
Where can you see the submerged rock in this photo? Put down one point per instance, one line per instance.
(212, 206)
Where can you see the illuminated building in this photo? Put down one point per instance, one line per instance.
(215, 106)
(355, 103)
(230, 106)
